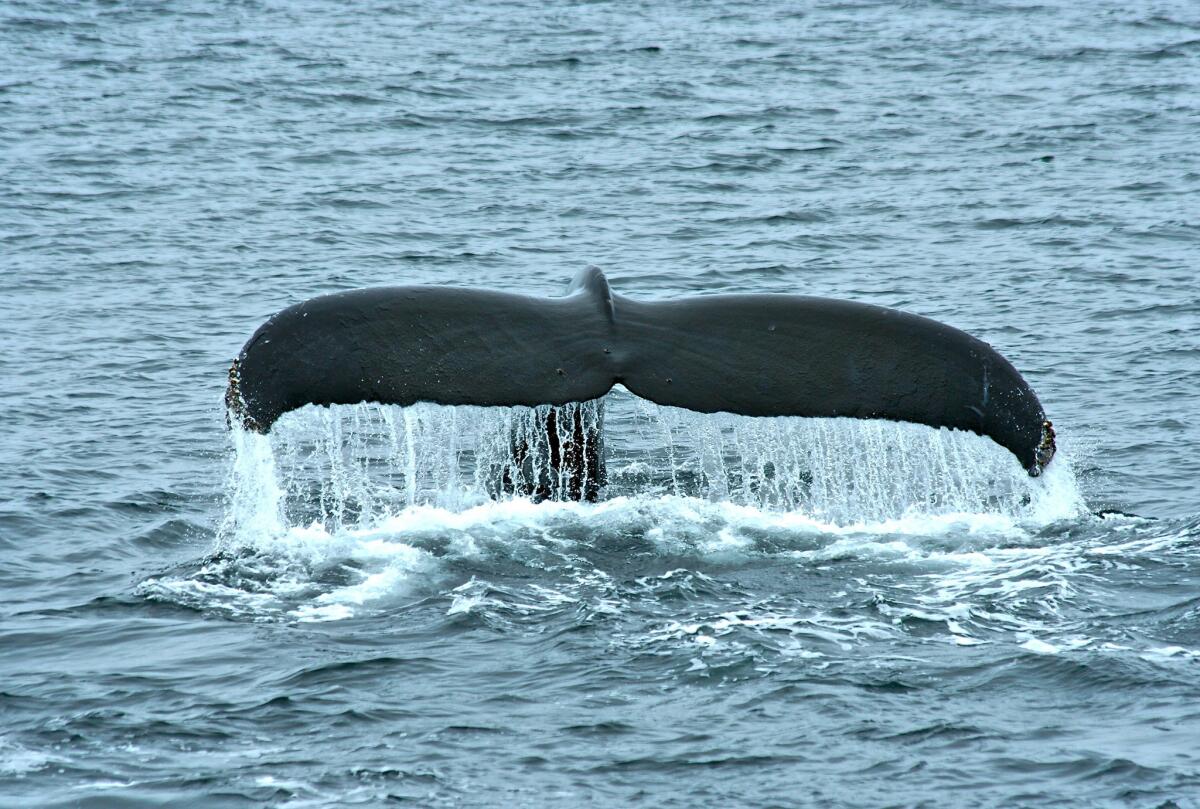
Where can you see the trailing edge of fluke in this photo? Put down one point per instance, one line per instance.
(755, 355)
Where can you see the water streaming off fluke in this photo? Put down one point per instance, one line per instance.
(354, 466)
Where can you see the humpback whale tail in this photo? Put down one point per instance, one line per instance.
(755, 355)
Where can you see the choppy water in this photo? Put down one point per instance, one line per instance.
(759, 613)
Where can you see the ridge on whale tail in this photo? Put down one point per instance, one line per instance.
(754, 355)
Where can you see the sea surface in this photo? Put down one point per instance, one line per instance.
(758, 612)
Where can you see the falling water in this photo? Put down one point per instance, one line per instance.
(353, 466)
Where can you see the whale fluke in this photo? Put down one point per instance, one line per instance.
(754, 355)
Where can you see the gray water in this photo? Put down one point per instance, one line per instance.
(340, 616)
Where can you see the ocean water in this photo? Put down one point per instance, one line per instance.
(340, 615)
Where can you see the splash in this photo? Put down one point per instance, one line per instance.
(344, 509)
(356, 467)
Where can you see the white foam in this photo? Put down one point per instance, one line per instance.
(361, 498)
(18, 760)
(1040, 647)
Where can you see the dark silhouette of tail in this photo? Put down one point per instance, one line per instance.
(756, 355)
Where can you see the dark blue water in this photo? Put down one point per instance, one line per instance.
(335, 617)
